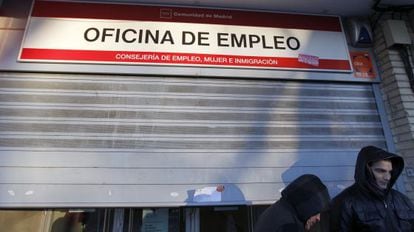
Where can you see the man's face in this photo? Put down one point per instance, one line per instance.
(382, 172)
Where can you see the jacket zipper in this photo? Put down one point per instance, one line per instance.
(385, 205)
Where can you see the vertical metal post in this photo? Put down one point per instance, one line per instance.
(192, 220)
(118, 225)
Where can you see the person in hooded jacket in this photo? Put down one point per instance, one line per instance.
(298, 209)
(370, 204)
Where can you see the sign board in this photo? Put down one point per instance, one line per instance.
(362, 64)
(75, 32)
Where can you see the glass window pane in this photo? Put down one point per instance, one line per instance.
(85, 220)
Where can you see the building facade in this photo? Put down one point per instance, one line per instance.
(397, 93)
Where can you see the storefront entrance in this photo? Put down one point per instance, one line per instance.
(194, 219)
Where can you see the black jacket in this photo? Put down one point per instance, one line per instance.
(301, 199)
(365, 207)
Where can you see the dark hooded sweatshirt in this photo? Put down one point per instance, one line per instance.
(301, 199)
(365, 207)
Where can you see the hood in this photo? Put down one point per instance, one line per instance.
(371, 154)
(307, 195)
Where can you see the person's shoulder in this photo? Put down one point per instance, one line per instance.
(349, 198)
(340, 203)
(347, 193)
(273, 211)
(274, 217)
(399, 196)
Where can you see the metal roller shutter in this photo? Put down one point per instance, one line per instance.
(103, 140)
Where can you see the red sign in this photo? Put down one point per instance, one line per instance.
(75, 32)
(362, 63)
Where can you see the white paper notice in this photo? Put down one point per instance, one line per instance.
(155, 220)
(207, 194)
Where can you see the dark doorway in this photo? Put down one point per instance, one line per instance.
(224, 219)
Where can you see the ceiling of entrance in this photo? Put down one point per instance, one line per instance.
(332, 7)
